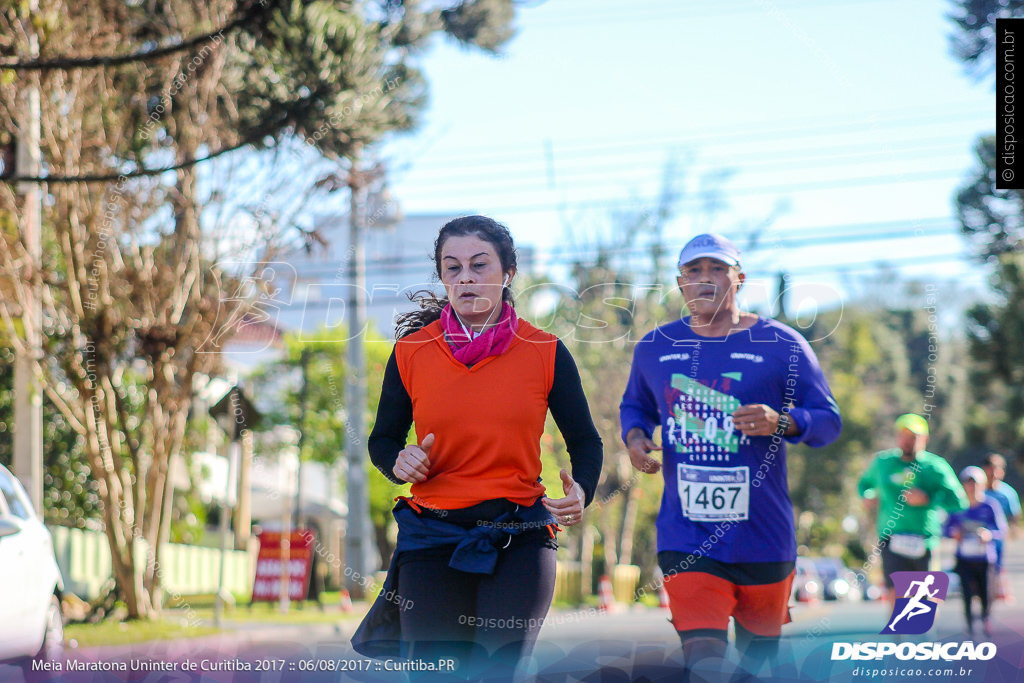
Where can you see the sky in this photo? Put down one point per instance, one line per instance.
(831, 123)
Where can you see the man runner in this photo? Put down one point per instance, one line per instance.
(728, 389)
(1006, 497)
(908, 486)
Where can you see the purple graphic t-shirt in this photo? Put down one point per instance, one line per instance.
(726, 495)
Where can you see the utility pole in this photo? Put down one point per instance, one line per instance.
(303, 401)
(28, 396)
(237, 417)
(359, 532)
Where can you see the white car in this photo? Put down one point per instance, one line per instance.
(31, 623)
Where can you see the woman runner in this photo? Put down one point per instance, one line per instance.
(474, 564)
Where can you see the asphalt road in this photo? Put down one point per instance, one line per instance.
(630, 643)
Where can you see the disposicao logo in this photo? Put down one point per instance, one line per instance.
(947, 652)
(914, 613)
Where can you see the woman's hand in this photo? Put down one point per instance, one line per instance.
(568, 510)
(413, 463)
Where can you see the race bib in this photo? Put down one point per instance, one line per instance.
(714, 494)
(908, 545)
(973, 547)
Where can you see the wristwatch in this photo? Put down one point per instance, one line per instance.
(784, 422)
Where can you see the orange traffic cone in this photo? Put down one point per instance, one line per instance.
(605, 595)
(662, 596)
(346, 601)
(1004, 588)
(662, 591)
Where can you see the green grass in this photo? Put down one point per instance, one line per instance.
(192, 617)
(269, 612)
(650, 600)
(124, 633)
(201, 607)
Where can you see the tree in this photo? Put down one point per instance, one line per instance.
(137, 291)
(974, 41)
(990, 218)
(616, 296)
(996, 333)
(324, 422)
(993, 221)
(70, 496)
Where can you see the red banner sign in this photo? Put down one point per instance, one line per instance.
(271, 566)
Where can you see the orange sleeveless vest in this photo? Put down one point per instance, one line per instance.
(487, 420)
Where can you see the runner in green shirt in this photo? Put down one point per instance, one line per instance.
(908, 486)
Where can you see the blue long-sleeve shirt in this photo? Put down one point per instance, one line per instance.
(726, 495)
(984, 515)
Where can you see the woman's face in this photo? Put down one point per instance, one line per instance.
(975, 493)
(472, 276)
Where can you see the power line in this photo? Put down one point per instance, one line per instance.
(640, 203)
(826, 235)
(577, 167)
(382, 297)
(611, 19)
(66, 63)
(874, 264)
(793, 129)
(141, 171)
(571, 180)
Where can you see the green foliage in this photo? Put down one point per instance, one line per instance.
(325, 425)
(880, 363)
(990, 218)
(973, 41)
(338, 75)
(993, 220)
(599, 319)
(130, 278)
(996, 334)
(70, 495)
(325, 420)
(863, 359)
(486, 23)
(321, 71)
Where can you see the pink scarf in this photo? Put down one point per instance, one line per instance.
(492, 342)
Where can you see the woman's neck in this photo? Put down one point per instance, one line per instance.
(475, 329)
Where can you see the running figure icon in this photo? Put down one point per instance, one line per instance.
(915, 606)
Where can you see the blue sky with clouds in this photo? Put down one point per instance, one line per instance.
(842, 120)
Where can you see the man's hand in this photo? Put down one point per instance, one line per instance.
(756, 419)
(413, 463)
(916, 497)
(639, 445)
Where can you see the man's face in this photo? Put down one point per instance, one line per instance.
(709, 286)
(911, 443)
(995, 472)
